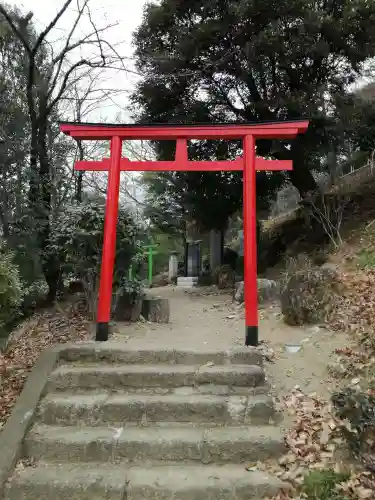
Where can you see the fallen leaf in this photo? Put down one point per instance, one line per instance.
(364, 493)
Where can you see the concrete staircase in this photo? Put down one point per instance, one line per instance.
(123, 424)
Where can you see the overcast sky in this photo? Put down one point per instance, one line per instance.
(127, 14)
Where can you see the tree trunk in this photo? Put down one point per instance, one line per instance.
(302, 178)
(222, 241)
(4, 208)
(19, 199)
(34, 178)
(80, 173)
(4, 222)
(50, 264)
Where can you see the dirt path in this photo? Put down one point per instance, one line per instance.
(212, 321)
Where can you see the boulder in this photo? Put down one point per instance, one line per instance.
(268, 291)
(224, 277)
(127, 307)
(239, 293)
(161, 280)
(156, 309)
(310, 295)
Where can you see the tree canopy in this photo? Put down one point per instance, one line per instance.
(246, 60)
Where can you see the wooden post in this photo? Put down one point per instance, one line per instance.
(250, 243)
(109, 243)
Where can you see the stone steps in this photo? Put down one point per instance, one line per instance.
(168, 482)
(118, 423)
(232, 445)
(69, 377)
(119, 409)
(112, 352)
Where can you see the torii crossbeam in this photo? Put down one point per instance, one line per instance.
(248, 163)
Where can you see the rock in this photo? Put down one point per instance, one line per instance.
(156, 309)
(330, 266)
(239, 295)
(268, 290)
(224, 277)
(160, 280)
(127, 307)
(309, 295)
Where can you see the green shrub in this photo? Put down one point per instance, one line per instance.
(34, 294)
(366, 259)
(11, 290)
(131, 286)
(77, 238)
(308, 293)
(321, 485)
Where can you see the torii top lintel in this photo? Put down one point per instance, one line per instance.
(270, 130)
(181, 133)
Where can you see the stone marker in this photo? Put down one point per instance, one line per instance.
(173, 266)
(193, 259)
(215, 249)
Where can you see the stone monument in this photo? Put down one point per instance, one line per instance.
(173, 266)
(193, 265)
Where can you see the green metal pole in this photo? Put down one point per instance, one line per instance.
(150, 255)
(130, 273)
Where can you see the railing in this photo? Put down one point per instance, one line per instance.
(357, 176)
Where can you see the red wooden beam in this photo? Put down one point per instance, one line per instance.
(126, 165)
(109, 242)
(160, 135)
(250, 242)
(276, 130)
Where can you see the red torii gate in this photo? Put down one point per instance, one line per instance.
(248, 163)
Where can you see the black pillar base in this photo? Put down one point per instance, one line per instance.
(251, 336)
(102, 332)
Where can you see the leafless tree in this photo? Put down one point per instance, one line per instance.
(49, 77)
(329, 212)
(130, 183)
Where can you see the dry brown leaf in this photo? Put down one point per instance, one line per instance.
(364, 493)
(52, 326)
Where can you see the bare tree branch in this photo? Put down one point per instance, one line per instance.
(71, 70)
(60, 58)
(50, 26)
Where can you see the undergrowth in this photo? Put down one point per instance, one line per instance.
(357, 411)
(322, 485)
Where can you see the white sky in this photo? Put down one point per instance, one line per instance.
(127, 14)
